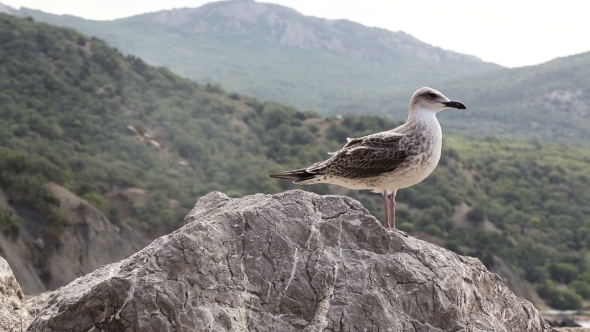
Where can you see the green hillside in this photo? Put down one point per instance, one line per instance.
(549, 102)
(275, 53)
(65, 101)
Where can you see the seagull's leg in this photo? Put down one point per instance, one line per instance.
(385, 208)
(390, 220)
(392, 212)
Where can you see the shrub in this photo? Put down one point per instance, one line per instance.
(453, 246)
(477, 213)
(9, 225)
(563, 272)
(581, 287)
(433, 230)
(559, 299)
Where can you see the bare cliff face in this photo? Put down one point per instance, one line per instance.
(90, 241)
(288, 262)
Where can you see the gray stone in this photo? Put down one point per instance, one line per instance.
(39, 243)
(13, 316)
(288, 262)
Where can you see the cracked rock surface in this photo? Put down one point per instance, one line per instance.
(13, 315)
(288, 262)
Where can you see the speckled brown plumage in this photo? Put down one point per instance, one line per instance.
(365, 157)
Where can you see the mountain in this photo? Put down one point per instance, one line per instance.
(275, 53)
(73, 176)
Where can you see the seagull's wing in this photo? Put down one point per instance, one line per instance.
(155, 142)
(365, 157)
(136, 130)
(380, 139)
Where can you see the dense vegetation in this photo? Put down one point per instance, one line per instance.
(65, 101)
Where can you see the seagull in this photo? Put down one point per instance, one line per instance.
(141, 136)
(387, 161)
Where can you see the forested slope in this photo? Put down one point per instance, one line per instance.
(66, 99)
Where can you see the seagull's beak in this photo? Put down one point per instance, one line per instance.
(454, 104)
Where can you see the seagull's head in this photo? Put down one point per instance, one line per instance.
(432, 100)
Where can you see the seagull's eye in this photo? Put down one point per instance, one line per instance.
(432, 95)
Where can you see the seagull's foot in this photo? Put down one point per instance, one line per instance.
(399, 231)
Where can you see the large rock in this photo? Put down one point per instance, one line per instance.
(288, 262)
(13, 316)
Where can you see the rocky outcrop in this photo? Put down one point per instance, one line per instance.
(288, 262)
(13, 316)
(90, 241)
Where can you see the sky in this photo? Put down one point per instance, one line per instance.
(512, 33)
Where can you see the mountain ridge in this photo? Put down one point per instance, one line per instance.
(333, 67)
(284, 25)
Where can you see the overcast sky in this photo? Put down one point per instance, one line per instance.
(511, 33)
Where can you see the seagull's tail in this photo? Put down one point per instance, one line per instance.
(296, 175)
